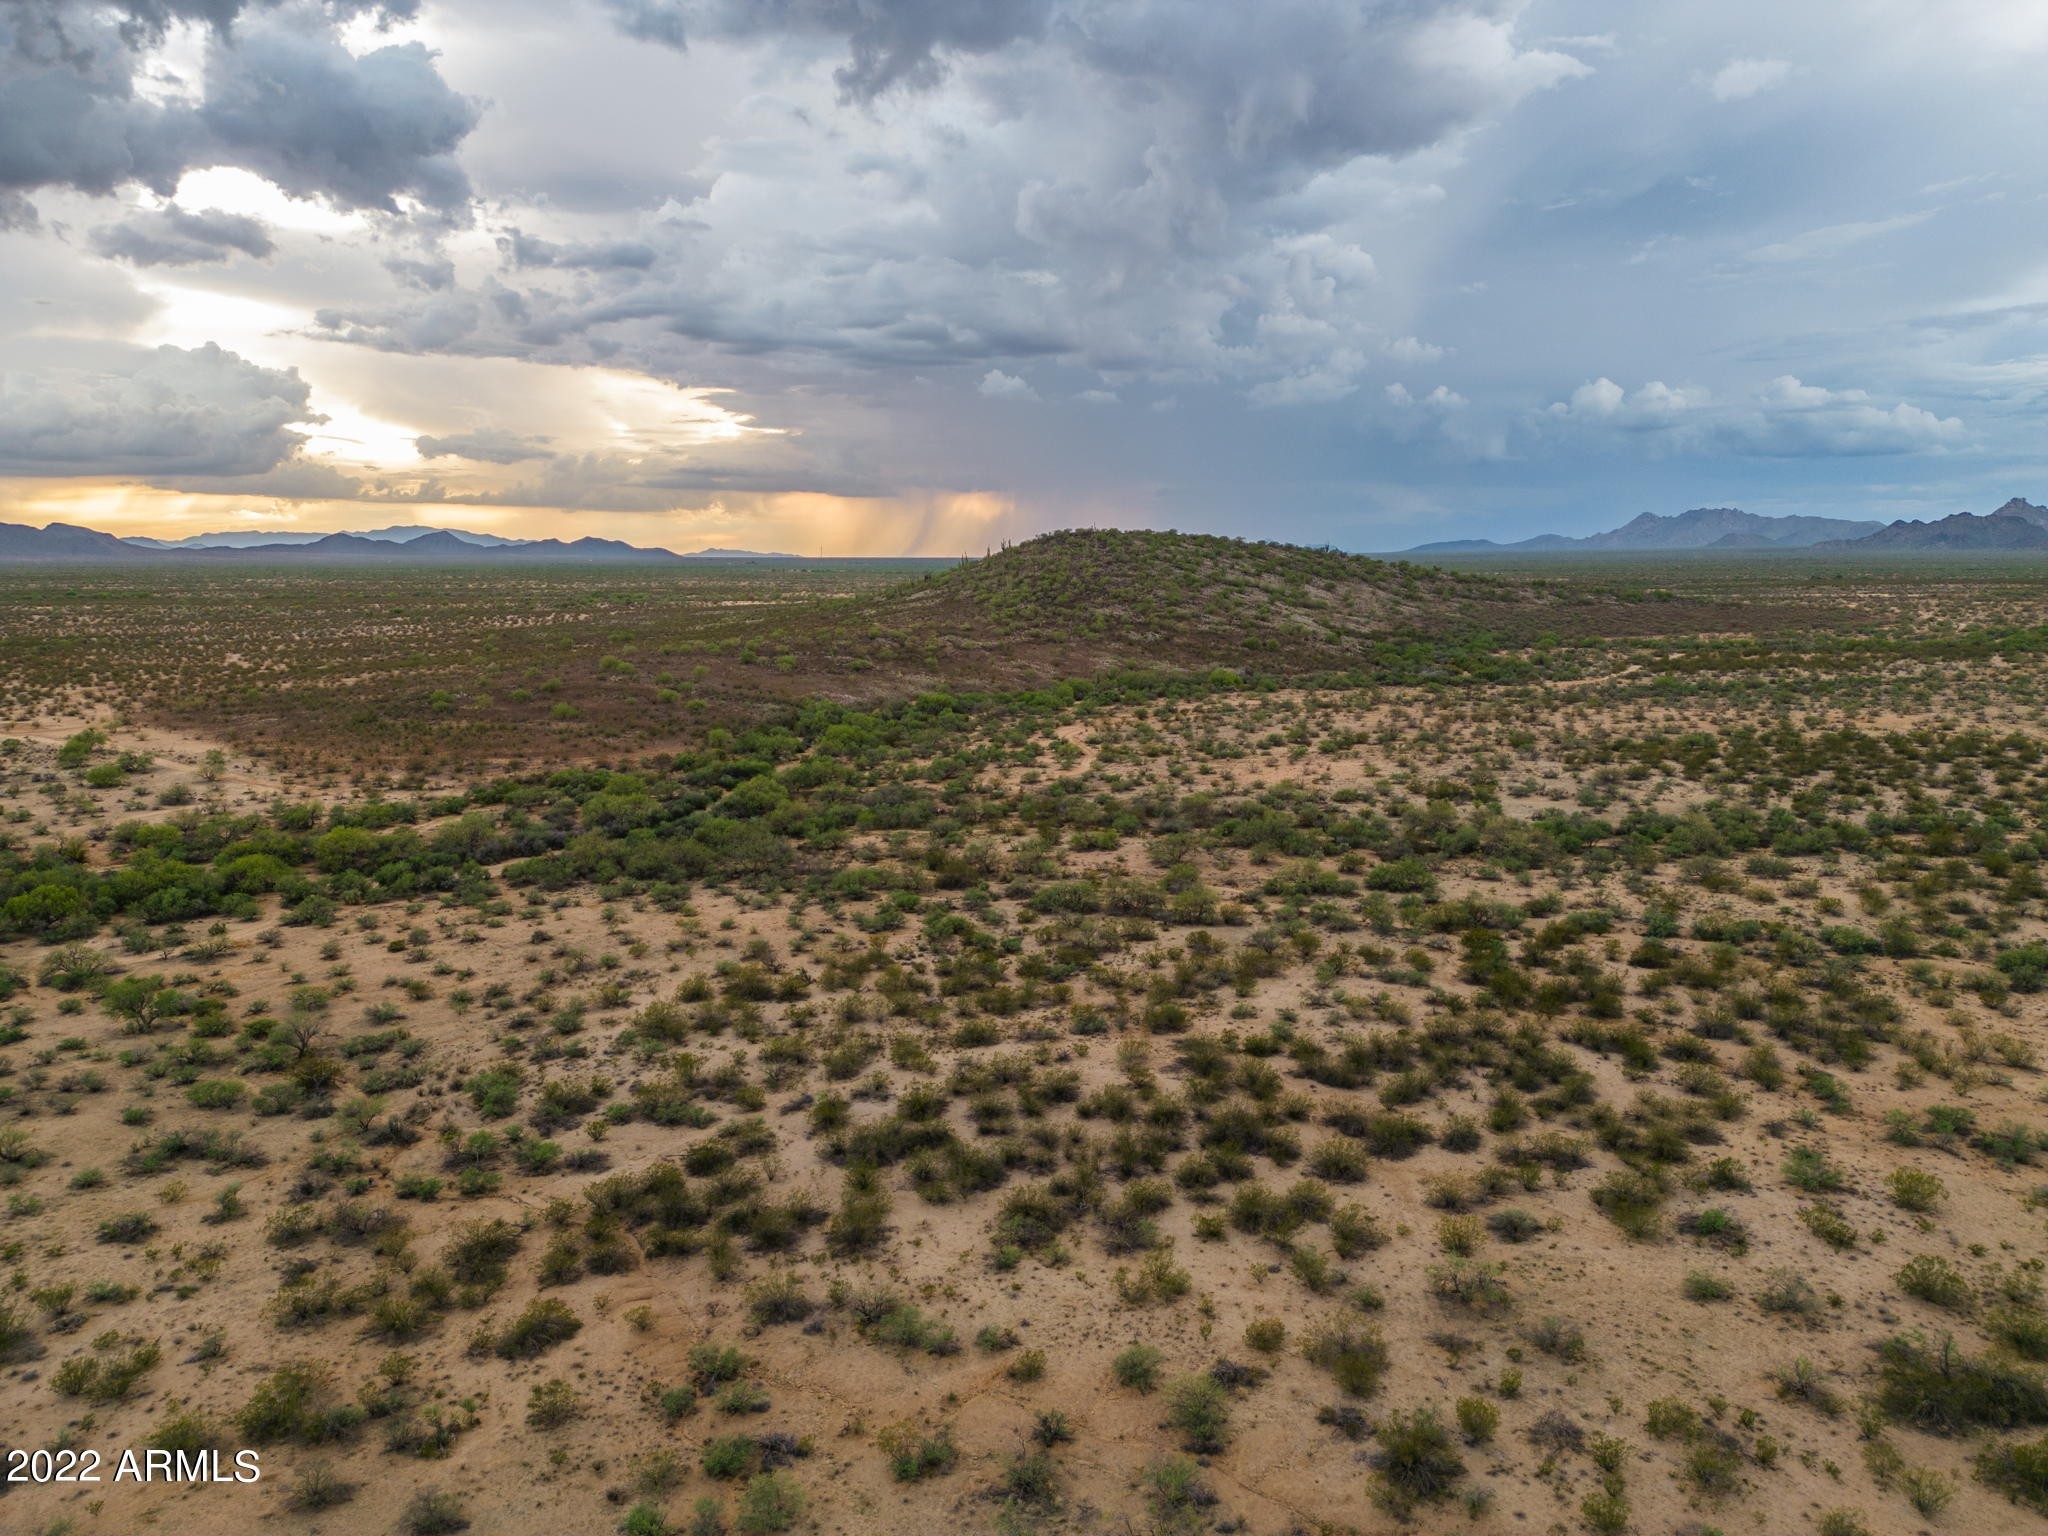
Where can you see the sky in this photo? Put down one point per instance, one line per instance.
(922, 276)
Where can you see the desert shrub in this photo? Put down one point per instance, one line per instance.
(1935, 1280)
(480, 1252)
(1137, 1367)
(1354, 1231)
(319, 1487)
(1564, 1340)
(1829, 1225)
(1416, 1460)
(546, 1322)
(1514, 1225)
(1914, 1189)
(1265, 1334)
(551, 1404)
(1714, 1467)
(1460, 1235)
(1804, 1382)
(130, 1227)
(771, 1502)
(2018, 1469)
(1606, 1512)
(780, 1299)
(109, 1374)
(1468, 1283)
(433, 1514)
(1355, 1355)
(1807, 1168)
(1199, 1409)
(1028, 1366)
(730, 1456)
(914, 1455)
(1032, 1480)
(292, 1403)
(2021, 1329)
(1935, 1387)
(1052, 1427)
(1477, 1419)
(1702, 1286)
(1633, 1199)
(1790, 1294)
(1928, 1489)
(1669, 1418)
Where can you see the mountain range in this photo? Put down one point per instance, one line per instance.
(250, 538)
(403, 545)
(2019, 524)
(1701, 528)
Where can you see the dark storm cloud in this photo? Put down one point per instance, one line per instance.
(486, 446)
(893, 42)
(1099, 193)
(1324, 255)
(281, 97)
(173, 237)
(161, 411)
(298, 108)
(524, 250)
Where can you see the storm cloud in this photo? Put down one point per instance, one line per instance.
(280, 96)
(167, 411)
(1334, 269)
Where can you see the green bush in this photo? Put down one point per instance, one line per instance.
(772, 1502)
(1933, 1279)
(1701, 1286)
(1914, 1189)
(1138, 1367)
(1477, 1419)
(545, 1323)
(1936, 1388)
(1355, 1354)
(2019, 1470)
(1199, 1408)
(1416, 1460)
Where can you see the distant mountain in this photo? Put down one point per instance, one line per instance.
(60, 541)
(2019, 506)
(1701, 528)
(2019, 524)
(442, 545)
(736, 554)
(67, 542)
(398, 533)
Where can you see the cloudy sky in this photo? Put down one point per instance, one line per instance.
(914, 276)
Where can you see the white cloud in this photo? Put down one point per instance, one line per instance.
(1649, 405)
(1740, 79)
(1833, 239)
(1787, 418)
(1441, 398)
(167, 411)
(998, 385)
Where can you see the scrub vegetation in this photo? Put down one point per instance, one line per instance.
(1137, 1033)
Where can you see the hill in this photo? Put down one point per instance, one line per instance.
(61, 542)
(2019, 524)
(1700, 528)
(1173, 597)
(1080, 602)
(245, 538)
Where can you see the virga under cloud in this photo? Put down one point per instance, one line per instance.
(1335, 269)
